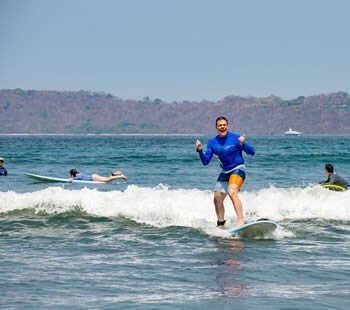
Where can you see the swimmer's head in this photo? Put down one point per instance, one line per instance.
(73, 172)
(329, 168)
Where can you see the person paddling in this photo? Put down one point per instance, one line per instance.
(76, 175)
(228, 147)
(333, 178)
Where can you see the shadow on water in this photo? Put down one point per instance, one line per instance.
(231, 266)
(227, 268)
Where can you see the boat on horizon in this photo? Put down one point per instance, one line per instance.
(291, 132)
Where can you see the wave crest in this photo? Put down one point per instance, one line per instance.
(161, 206)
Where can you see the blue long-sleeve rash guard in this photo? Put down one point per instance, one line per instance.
(228, 149)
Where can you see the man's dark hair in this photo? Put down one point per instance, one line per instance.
(220, 118)
(329, 168)
(73, 172)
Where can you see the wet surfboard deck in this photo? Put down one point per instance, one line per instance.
(258, 228)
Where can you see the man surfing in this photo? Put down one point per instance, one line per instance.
(228, 147)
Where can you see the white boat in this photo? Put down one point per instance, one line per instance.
(291, 132)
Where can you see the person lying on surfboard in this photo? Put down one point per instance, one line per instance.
(76, 175)
(333, 178)
(228, 147)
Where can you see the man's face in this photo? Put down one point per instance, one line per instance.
(222, 127)
(1, 163)
(327, 173)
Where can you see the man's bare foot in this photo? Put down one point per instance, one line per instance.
(239, 224)
(122, 176)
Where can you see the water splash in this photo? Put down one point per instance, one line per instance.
(163, 207)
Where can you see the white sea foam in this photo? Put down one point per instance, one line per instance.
(163, 207)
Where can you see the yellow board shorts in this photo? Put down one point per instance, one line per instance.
(236, 176)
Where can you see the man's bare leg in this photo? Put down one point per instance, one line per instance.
(233, 190)
(99, 178)
(219, 206)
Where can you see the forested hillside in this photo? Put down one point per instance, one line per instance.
(83, 112)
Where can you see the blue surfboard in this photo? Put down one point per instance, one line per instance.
(43, 178)
(258, 228)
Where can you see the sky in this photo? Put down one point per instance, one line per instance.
(176, 49)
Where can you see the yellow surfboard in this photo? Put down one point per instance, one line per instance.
(334, 187)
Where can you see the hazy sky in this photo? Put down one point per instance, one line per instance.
(176, 50)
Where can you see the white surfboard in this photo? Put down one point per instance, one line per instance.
(43, 178)
(258, 228)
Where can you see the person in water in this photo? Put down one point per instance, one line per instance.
(228, 147)
(3, 170)
(76, 175)
(333, 178)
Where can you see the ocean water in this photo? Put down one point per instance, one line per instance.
(151, 242)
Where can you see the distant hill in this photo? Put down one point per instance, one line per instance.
(83, 112)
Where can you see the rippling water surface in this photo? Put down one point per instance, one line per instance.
(151, 242)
